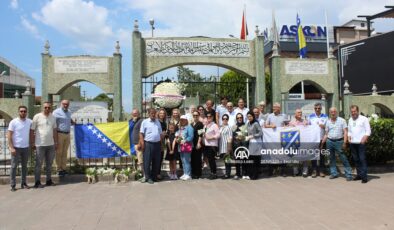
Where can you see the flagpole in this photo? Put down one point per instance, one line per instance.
(246, 34)
(328, 44)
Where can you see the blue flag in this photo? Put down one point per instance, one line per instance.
(103, 140)
(301, 39)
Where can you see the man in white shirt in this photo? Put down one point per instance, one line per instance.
(43, 137)
(242, 109)
(18, 143)
(320, 119)
(231, 114)
(221, 109)
(358, 132)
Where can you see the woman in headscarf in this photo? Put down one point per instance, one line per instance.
(239, 135)
(255, 134)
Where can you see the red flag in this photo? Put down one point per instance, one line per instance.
(244, 27)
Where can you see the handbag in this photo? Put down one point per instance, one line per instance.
(186, 147)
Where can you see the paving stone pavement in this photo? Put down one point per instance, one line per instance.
(268, 203)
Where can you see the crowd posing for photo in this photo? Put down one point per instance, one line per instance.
(205, 134)
(193, 141)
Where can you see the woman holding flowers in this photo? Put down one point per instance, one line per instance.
(211, 136)
(239, 135)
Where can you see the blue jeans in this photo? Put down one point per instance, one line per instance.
(358, 154)
(336, 147)
(22, 155)
(186, 159)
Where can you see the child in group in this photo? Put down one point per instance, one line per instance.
(172, 151)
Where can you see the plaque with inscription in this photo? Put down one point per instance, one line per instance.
(197, 48)
(81, 65)
(306, 67)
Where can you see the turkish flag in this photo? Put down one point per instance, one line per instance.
(244, 27)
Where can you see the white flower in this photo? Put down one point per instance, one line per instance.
(169, 88)
(201, 131)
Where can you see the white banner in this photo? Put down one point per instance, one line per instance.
(291, 144)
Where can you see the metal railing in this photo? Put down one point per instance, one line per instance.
(74, 165)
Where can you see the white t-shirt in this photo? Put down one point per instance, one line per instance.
(358, 128)
(20, 132)
(43, 127)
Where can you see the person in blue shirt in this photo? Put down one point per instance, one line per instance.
(150, 145)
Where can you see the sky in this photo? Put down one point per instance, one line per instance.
(83, 27)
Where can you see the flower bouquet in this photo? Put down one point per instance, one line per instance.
(242, 133)
(122, 175)
(106, 174)
(91, 175)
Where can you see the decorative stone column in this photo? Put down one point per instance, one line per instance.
(45, 72)
(137, 57)
(28, 100)
(260, 75)
(117, 112)
(347, 99)
(333, 69)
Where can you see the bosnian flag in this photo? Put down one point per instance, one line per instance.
(301, 39)
(244, 27)
(103, 140)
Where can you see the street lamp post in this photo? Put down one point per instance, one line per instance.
(152, 25)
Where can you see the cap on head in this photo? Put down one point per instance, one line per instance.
(184, 117)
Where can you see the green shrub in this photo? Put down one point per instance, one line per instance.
(380, 146)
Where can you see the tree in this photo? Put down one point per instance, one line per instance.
(104, 97)
(196, 84)
(232, 85)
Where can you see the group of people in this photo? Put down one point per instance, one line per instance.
(195, 139)
(47, 133)
(206, 134)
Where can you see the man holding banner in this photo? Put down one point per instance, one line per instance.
(318, 118)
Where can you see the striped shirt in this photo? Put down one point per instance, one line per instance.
(334, 129)
(226, 135)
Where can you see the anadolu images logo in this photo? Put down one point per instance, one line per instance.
(241, 153)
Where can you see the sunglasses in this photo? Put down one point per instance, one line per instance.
(47, 107)
(225, 119)
(23, 111)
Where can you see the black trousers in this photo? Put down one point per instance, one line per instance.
(196, 162)
(210, 153)
(254, 167)
(152, 155)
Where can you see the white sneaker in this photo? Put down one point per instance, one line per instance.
(182, 177)
(170, 175)
(174, 177)
(187, 178)
(244, 177)
(247, 178)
